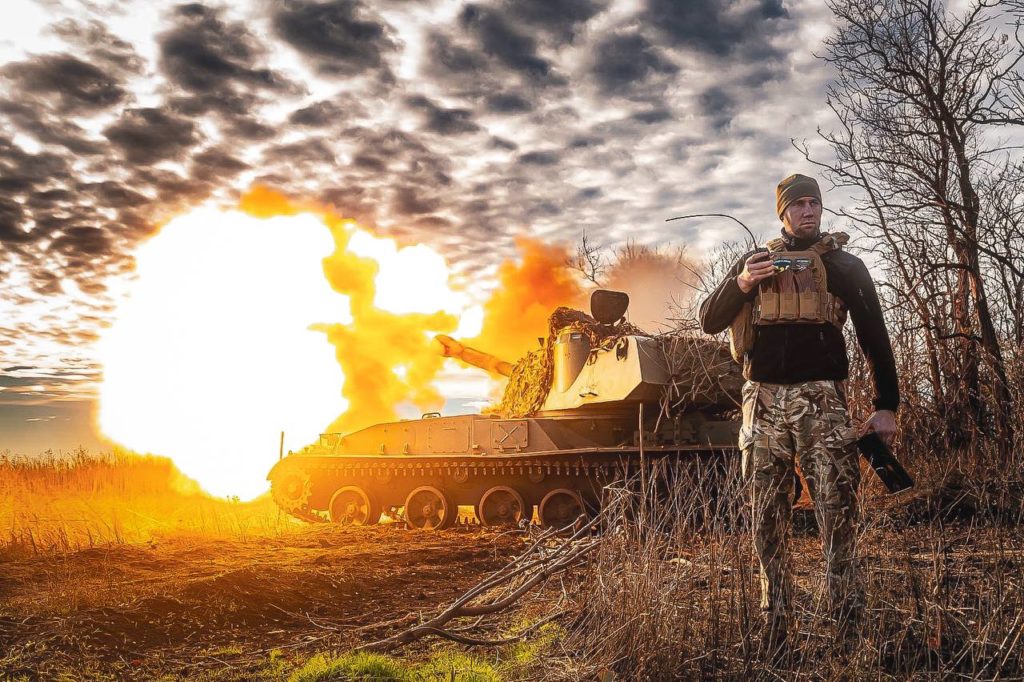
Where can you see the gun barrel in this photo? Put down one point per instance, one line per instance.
(472, 356)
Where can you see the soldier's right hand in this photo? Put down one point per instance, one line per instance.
(757, 267)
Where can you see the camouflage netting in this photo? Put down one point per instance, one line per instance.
(703, 372)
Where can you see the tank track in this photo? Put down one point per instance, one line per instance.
(388, 481)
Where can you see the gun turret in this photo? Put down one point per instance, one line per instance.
(602, 363)
(472, 356)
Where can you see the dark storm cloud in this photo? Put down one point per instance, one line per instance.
(76, 86)
(316, 115)
(85, 240)
(175, 189)
(50, 198)
(408, 201)
(249, 130)
(442, 120)
(149, 135)
(502, 143)
(508, 103)
(369, 162)
(311, 151)
(650, 116)
(510, 45)
(215, 163)
(36, 119)
(451, 57)
(542, 158)
(583, 141)
(48, 222)
(204, 54)
(433, 222)
(773, 9)
(717, 27)
(718, 106)
(405, 150)
(340, 37)
(21, 171)
(625, 61)
(12, 215)
(115, 195)
(352, 202)
(43, 91)
(329, 113)
(100, 45)
(562, 18)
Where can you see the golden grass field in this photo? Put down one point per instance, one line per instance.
(116, 567)
(65, 503)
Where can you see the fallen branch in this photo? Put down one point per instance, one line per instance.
(533, 571)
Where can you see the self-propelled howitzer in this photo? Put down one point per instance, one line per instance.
(597, 398)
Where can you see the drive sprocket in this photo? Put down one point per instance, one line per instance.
(291, 490)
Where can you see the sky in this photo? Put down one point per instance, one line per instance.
(458, 125)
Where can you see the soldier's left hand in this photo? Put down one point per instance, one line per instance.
(882, 422)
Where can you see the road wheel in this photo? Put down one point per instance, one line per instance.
(428, 508)
(353, 506)
(560, 507)
(500, 506)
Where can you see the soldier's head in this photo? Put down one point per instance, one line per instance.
(798, 201)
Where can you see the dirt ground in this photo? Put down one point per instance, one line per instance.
(193, 606)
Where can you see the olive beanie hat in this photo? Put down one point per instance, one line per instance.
(795, 187)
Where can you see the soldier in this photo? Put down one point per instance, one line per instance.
(785, 311)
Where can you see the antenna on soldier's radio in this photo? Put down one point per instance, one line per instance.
(753, 240)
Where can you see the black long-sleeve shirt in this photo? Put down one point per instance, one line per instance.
(794, 353)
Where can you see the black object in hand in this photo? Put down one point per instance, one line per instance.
(878, 455)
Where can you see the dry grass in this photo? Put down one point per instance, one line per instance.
(670, 594)
(673, 593)
(64, 503)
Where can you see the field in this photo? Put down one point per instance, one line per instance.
(116, 568)
(225, 607)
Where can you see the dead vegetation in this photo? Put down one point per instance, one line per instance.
(672, 593)
(663, 585)
(65, 503)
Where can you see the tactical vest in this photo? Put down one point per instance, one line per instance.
(797, 294)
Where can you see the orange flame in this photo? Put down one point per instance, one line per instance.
(516, 314)
(386, 356)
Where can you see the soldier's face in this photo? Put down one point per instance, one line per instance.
(802, 218)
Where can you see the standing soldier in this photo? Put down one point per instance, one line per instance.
(785, 309)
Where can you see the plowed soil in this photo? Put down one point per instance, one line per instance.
(188, 605)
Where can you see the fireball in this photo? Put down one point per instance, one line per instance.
(241, 324)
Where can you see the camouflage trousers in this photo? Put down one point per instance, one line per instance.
(806, 423)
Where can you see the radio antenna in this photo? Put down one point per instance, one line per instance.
(753, 240)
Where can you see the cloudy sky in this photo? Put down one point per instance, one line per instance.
(455, 124)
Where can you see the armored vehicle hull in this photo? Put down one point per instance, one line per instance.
(504, 468)
(601, 400)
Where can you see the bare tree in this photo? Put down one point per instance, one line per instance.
(588, 260)
(920, 94)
